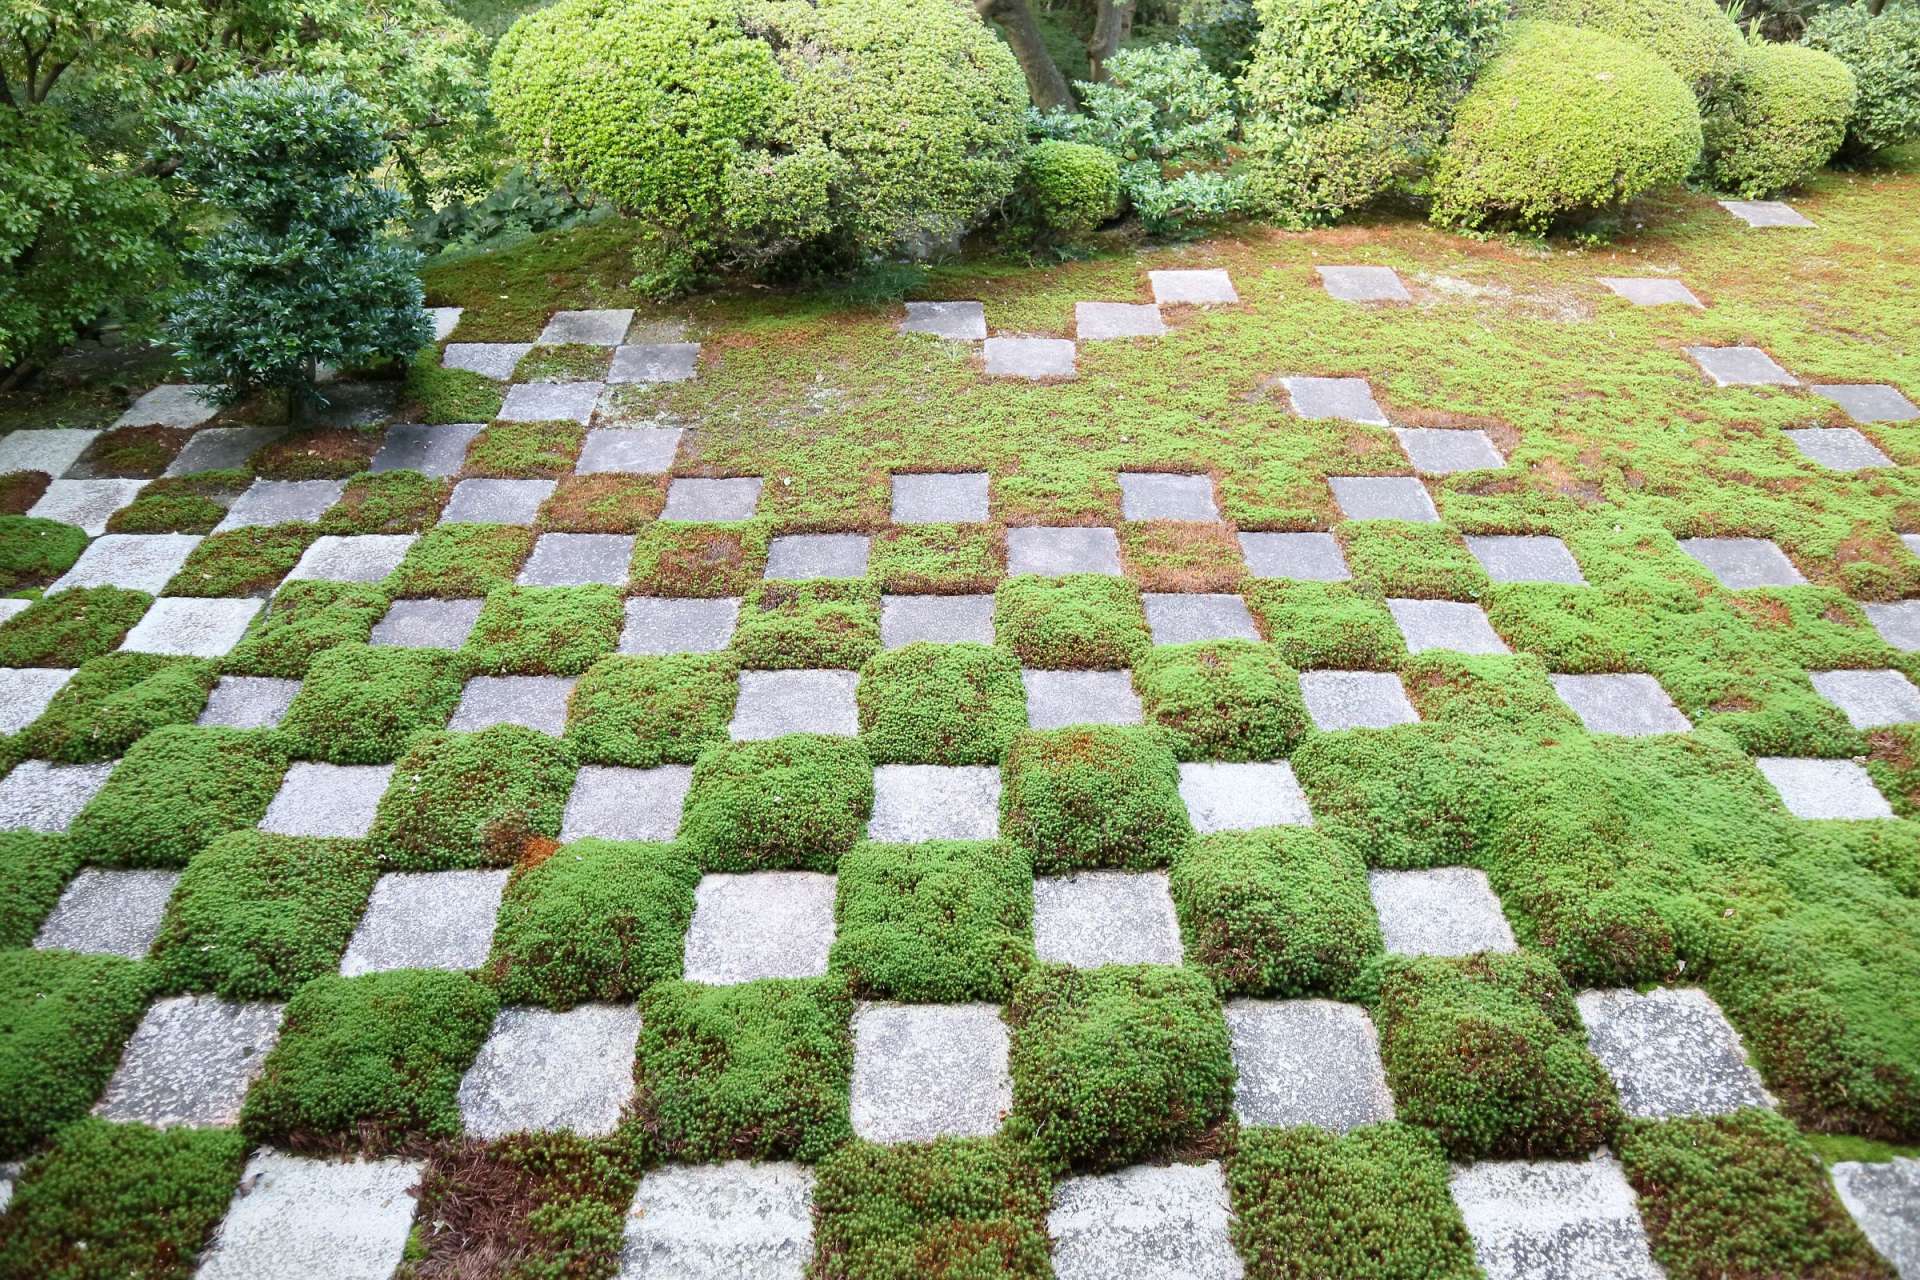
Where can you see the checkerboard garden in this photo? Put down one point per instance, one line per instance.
(1351, 754)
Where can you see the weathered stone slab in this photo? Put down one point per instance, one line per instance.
(1205, 287)
(1446, 911)
(954, 321)
(363, 557)
(1651, 291)
(1350, 399)
(1837, 448)
(1187, 616)
(1628, 704)
(551, 401)
(545, 1072)
(327, 799)
(1055, 552)
(426, 920)
(281, 502)
(1160, 495)
(170, 405)
(661, 624)
(1099, 321)
(25, 693)
(51, 450)
(1869, 401)
(1240, 796)
(1307, 1062)
(806, 556)
(1097, 918)
(775, 702)
(109, 912)
(1884, 1198)
(189, 1063)
(1824, 788)
(634, 451)
(587, 328)
(1741, 367)
(1056, 699)
(617, 803)
(1164, 1222)
(1525, 558)
(918, 802)
(733, 1221)
(38, 796)
(1305, 557)
(922, 1072)
(1870, 699)
(1443, 452)
(1671, 1052)
(1553, 1220)
(496, 501)
(427, 624)
(248, 702)
(906, 620)
(765, 924)
(1898, 623)
(577, 559)
(953, 497)
(221, 449)
(534, 702)
(1363, 284)
(1356, 699)
(1765, 213)
(1383, 498)
(192, 627)
(136, 561)
(430, 450)
(651, 362)
(445, 321)
(1034, 359)
(297, 1219)
(1445, 624)
(85, 504)
(496, 360)
(1743, 562)
(691, 498)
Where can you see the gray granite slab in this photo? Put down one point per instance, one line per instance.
(1651, 291)
(1356, 699)
(1765, 213)
(1870, 699)
(1305, 557)
(430, 450)
(545, 1072)
(1383, 498)
(1743, 562)
(426, 920)
(918, 802)
(190, 1062)
(1869, 401)
(1144, 1222)
(1202, 287)
(954, 321)
(1671, 1052)
(651, 362)
(109, 912)
(1350, 399)
(1240, 796)
(1884, 1198)
(577, 559)
(1628, 704)
(1837, 448)
(1824, 788)
(192, 627)
(635, 451)
(1160, 495)
(327, 799)
(764, 924)
(360, 557)
(1898, 623)
(248, 702)
(1056, 699)
(1097, 321)
(922, 1072)
(48, 449)
(1055, 552)
(281, 502)
(1443, 452)
(1445, 911)
(1188, 616)
(1311, 1062)
(806, 556)
(496, 360)
(136, 561)
(221, 449)
(535, 702)
(1363, 284)
(496, 501)
(12, 608)
(38, 796)
(1098, 918)
(427, 624)
(551, 401)
(664, 624)
(618, 803)
(85, 504)
(170, 405)
(733, 1221)
(1030, 358)
(772, 703)
(1553, 1220)
(604, 328)
(25, 693)
(1445, 624)
(300, 1219)
(953, 497)
(908, 620)
(1525, 558)
(445, 321)
(1741, 367)
(692, 498)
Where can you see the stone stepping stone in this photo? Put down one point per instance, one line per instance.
(1100, 321)
(281, 502)
(1163, 1221)
(38, 796)
(578, 559)
(733, 1221)
(360, 557)
(1098, 918)
(1553, 1220)
(136, 561)
(193, 627)
(1445, 911)
(1056, 552)
(773, 703)
(664, 624)
(496, 360)
(190, 1062)
(1196, 288)
(327, 799)
(1442, 452)
(617, 803)
(1898, 623)
(922, 1072)
(170, 405)
(533, 702)
(1765, 213)
(546, 1072)
(1356, 700)
(655, 362)
(908, 620)
(954, 321)
(1363, 284)
(1311, 1062)
(1740, 563)
(221, 449)
(1837, 448)
(1304, 557)
(1884, 1198)
(629, 451)
(1242, 796)
(85, 504)
(25, 693)
(550, 401)
(1383, 498)
(432, 451)
(913, 803)
(764, 924)
(1741, 367)
(1824, 788)
(248, 702)
(1156, 495)
(954, 497)
(1627, 705)
(1349, 399)
(11, 608)
(1034, 359)
(1870, 699)
(1057, 699)
(426, 920)
(445, 321)
(295, 1219)
(1869, 402)
(1525, 558)
(427, 624)
(108, 912)
(587, 328)
(801, 557)
(1651, 291)
(52, 450)
(725, 500)
(1188, 616)
(1445, 624)
(1671, 1052)
(496, 501)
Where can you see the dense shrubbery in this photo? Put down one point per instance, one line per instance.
(1066, 190)
(1883, 53)
(1691, 38)
(1787, 114)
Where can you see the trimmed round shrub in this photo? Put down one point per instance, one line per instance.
(1692, 38)
(1884, 55)
(1786, 117)
(1561, 124)
(1070, 187)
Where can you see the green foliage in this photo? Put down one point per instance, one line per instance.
(64, 1017)
(34, 868)
(71, 627)
(808, 625)
(450, 395)
(1405, 560)
(1883, 52)
(680, 558)
(1327, 625)
(302, 621)
(527, 450)
(1094, 796)
(544, 631)
(115, 700)
(1067, 189)
(1788, 115)
(937, 559)
(1694, 39)
(180, 504)
(942, 921)
(472, 799)
(1081, 620)
(175, 791)
(1222, 699)
(242, 562)
(951, 704)
(461, 561)
(569, 362)
(33, 552)
(386, 502)
(361, 703)
(644, 711)
(795, 802)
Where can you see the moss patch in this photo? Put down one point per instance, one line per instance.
(643, 711)
(472, 799)
(63, 1020)
(681, 558)
(1084, 620)
(544, 631)
(33, 552)
(603, 503)
(360, 704)
(949, 704)
(525, 450)
(938, 559)
(1222, 699)
(939, 922)
(71, 627)
(1327, 625)
(176, 790)
(461, 561)
(114, 701)
(808, 625)
(34, 868)
(387, 502)
(302, 621)
(1096, 796)
(790, 803)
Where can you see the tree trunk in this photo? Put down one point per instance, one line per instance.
(1045, 85)
(1111, 26)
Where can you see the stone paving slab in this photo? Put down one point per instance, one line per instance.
(1158, 495)
(496, 501)
(1741, 367)
(577, 559)
(1445, 624)
(1167, 1222)
(136, 561)
(1869, 401)
(327, 799)
(1897, 623)
(170, 405)
(734, 498)
(1356, 699)
(426, 920)
(1837, 448)
(193, 627)
(1443, 452)
(1057, 551)
(587, 328)
(190, 1062)
(109, 912)
(1445, 911)
(1630, 705)
(38, 796)
(1098, 918)
(551, 401)
(1739, 563)
(52, 450)
(544, 1072)
(430, 450)
(1242, 796)
(1202, 287)
(1034, 359)
(913, 803)
(1099, 321)
(1363, 284)
(957, 497)
(1553, 1220)
(1671, 1052)
(1525, 558)
(654, 362)
(1188, 616)
(248, 702)
(281, 502)
(802, 557)
(1056, 699)
(922, 1072)
(1305, 557)
(300, 1219)
(1884, 1198)
(662, 624)
(1824, 788)
(733, 1221)
(775, 702)
(427, 624)
(535, 702)
(221, 449)
(85, 504)
(1311, 1062)
(11, 608)
(1651, 291)
(617, 803)
(496, 360)
(906, 620)
(25, 693)
(764, 924)
(632, 451)
(1383, 498)
(1350, 399)
(445, 321)
(1765, 213)
(954, 321)
(1869, 699)
(361, 557)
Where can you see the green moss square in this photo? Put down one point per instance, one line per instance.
(450, 395)
(952, 704)
(526, 450)
(175, 791)
(1490, 690)
(1084, 621)
(68, 628)
(938, 559)
(302, 621)
(472, 799)
(757, 1071)
(1222, 699)
(567, 362)
(361, 703)
(939, 922)
(697, 559)
(1093, 796)
(387, 502)
(790, 803)
(115, 700)
(34, 869)
(603, 502)
(643, 711)
(181, 504)
(242, 562)
(595, 920)
(1327, 625)
(1182, 555)
(64, 1018)
(33, 552)
(544, 631)
(1408, 560)
(256, 915)
(808, 625)
(461, 561)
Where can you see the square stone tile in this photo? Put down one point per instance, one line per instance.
(1869, 401)
(109, 912)
(197, 628)
(1240, 796)
(655, 362)
(1356, 699)
(1105, 917)
(1029, 358)
(929, 1071)
(775, 702)
(1188, 616)
(1824, 788)
(1837, 448)
(1870, 699)
(430, 450)
(327, 799)
(734, 498)
(955, 321)
(1630, 705)
(662, 624)
(535, 702)
(1305, 557)
(1307, 1062)
(221, 449)
(1765, 213)
(1192, 288)
(1168, 1222)
(281, 502)
(1741, 367)
(1553, 1220)
(1445, 624)
(1350, 399)
(1383, 498)
(189, 1063)
(297, 1219)
(765, 924)
(38, 796)
(805, 556)
(913, 803)
(136, 561)
(633, 451)
(496, 501)
(1651, 291)
(577, 559)
(1095, 321)
(10, 609)
(170, 405)
(360, 557)
(1156, 495)
(1056, 552)
(52, 450)
(1884, 1198)
(587, 328)
(1446, 911)
(1898, 623)
(85, 504)
(732, 1221)
(546, 1072)
(427, 624)
(25, 693)
(954, 497)
(1056, 699)
(426, 920)
(1363, 284)
(551, 401)
(495, 360)
(1525, 558)
(935, 619)
(248, 702)
(1442, 452)
(445, 321)
(617, 803)
(1671, 1052)
(1743, 562)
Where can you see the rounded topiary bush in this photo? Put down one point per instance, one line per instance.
(1883, 53)
(1692, 38)
(1070, 187)
(1562, 123)
(1786, 117)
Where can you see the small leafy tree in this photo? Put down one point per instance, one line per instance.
(302, 274)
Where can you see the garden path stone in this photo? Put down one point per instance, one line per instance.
(1054, 552)
(1739, 563)
(1056, 699)
(1445, 911)
(281, 502)
(1363, 284)
(1442, 452)
(1350, 399)
(922, 1072)
(170, 405)
(1445, 624)
(1884, 1198)
(1630, 705)
(1898, 623)
(954, 321)
(430, 450)
(631, 451)
(1741, 367)
(763, 924)
(1838, 448)
(248, 702)
(327, 799)
(799, 557)
(1671, 1052)
(1143, 1222)
(664, 624)
(1553, 1220)
(1525, 558)
(1651, 291)
(12, 608)
(545, 1072)
(136, 561)
(617, 803)
(195, 628)
(109, 912)
(586, 328)
(427, 624)
(1311, 1062)
(360, 557)
(1869, 401)
(1870, 699)
(1242, 795)
(730, 499)
(445, 321)
(1202, 287)
(913, 803)
(551, 401)
(25, 693)
(1030, 358)
(221, 449)
(1383, 498)
(496, 501)
(296, 1219)
(954, 497)
(1097, 918)
(1097, 321)
(577, 559)
(1157, 495)
(772, 703)
(1824, 788)
(1765, 213)
(732, 1221)
(39, 796)
(1304, 557)
(905, 620)
(426, 920)
(535, 702)
(1188, 616)
(496, 360)
(652, 362)
(357, 404)
(85, 504)
(52, 450)
(190, 1061)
